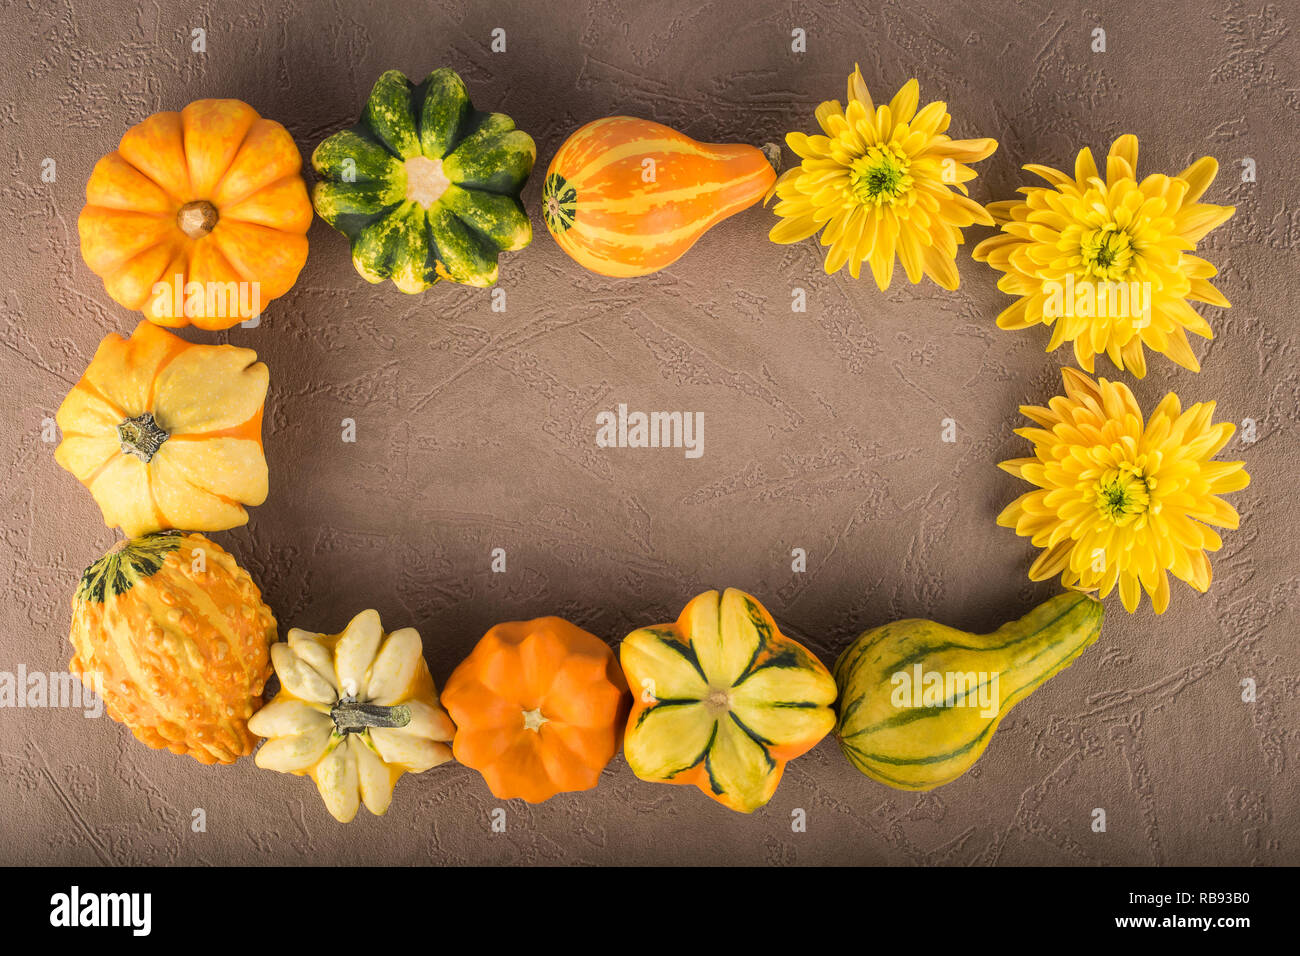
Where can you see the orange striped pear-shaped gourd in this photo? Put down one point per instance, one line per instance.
(627, 197)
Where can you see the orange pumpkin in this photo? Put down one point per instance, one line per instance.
(539, 707)
(166, 433)
(199, 216)
(627, 197)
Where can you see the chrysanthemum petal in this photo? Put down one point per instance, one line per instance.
(1053, 176)
(1194, 223)
(1160, 594)
(807, 147)
(940, 267)
(909, 254)
(882, 254)
(903, 106)
(1198, 177)
(964, 150)
(1122, 160)
(1177, 349)
(928, 121)
(792, 230)
(1050, 562)
(1084, 166)
(1202, 291)
(858, 90)
(1129, 592)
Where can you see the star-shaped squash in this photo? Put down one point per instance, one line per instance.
(723, 700)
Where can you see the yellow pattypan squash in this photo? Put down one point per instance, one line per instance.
(167, 434)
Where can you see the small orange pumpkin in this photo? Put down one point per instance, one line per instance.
(539, 708)
(198, 216)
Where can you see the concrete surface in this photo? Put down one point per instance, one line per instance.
(476, 429)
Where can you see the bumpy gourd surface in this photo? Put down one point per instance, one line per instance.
(722, 700)
(425, 186)
(352, 762)
(922, 747)
(204, 407)
(538, 708)
(245, 171)
(174, 635)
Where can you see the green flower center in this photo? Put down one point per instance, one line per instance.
(1107, 253)
(1124, 494)
(880, 176)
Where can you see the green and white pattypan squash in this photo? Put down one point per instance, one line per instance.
(425, 186)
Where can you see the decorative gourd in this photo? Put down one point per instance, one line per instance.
(900, 727)
(205, 209)
(355, 711)
(539, 706)
(722, 700)
(627, 197)
(425, 186)
(173, 635)
(167, 434)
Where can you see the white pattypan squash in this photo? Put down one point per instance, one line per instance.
(355, 711)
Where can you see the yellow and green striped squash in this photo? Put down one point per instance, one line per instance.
(722, 700)
(425, 186)
(627, 197)
(911, 742)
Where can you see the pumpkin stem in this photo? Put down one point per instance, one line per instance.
(718, 701)
(772, 153)
(352, 717)
(141, 436)
(197, 219)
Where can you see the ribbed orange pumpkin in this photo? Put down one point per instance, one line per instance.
(627, 197)
(539, 708)
(205, 208)
(173, 634)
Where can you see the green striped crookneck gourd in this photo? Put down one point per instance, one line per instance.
(425, 186)
(920, 701)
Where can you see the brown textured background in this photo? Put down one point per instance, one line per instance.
(476, 429)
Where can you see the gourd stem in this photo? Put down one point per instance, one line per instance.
(141, 436)
(717, 701)
(354, 717)
(196, 219)
(772, 153)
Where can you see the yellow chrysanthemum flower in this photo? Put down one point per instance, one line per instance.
(880, 183)
(1119, 502)
(1107, 261)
